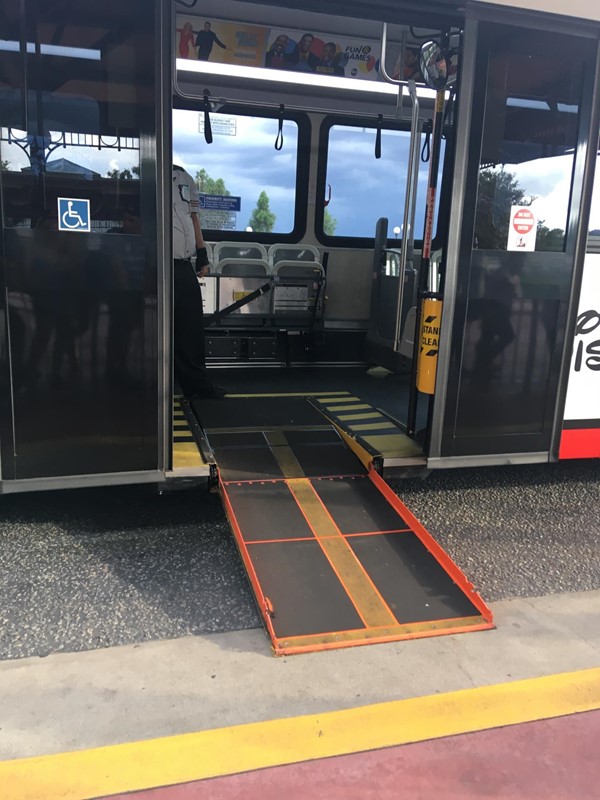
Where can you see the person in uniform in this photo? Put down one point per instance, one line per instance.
(188, 327)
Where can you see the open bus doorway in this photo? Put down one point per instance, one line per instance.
(267, 330)
(288, 302)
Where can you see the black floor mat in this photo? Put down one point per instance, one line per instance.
(256, 412)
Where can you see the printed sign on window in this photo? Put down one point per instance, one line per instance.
(522, 230)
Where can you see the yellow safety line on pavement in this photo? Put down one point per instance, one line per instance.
(225, 751)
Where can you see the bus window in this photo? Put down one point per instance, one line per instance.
(594, 228)
(364, 188)
(527, 158)
(75, 132)
(109, 166)
(243, 165)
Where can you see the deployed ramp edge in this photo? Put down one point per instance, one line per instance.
(334, 558)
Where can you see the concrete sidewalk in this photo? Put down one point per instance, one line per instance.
(83, 700)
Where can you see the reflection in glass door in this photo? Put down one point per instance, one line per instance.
(517, 240)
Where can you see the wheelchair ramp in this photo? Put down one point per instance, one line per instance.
(334, 557)
(377, 436)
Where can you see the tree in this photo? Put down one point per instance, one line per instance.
(262, 219)
(208, 185)
(214, 220)
(549, 240)
(498, 191)
(329, 223)
(4, 165)
(123, 174)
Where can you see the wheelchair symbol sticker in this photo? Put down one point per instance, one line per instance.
(74, 215)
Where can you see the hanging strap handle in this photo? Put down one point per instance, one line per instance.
(207, 126)
(279, 139)
(426, 149)
(447, 110)
(378, 136)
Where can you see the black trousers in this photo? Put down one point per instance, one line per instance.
(188, 330)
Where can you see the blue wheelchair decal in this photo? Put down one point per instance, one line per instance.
(74, 215)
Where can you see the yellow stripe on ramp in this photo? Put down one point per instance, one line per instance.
(375, 426)
(356, 407)
(352, 575)
(364, 415)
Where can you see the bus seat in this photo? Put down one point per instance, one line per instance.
(238, 277)
(242, 267)
(299, 288)
(293, 252)
(227, 250)
(307, 270)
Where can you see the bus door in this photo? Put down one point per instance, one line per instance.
(522, 132)
(79, 342)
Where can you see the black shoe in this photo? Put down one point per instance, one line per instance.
(212, 392)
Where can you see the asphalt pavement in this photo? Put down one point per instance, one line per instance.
(94, 568)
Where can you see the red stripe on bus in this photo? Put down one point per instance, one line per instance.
(580, 443)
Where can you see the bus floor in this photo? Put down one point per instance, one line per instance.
(384, 390)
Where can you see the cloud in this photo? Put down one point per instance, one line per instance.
(365, 188)
(549, 181)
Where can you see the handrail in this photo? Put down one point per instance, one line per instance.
(384, 73)
(408, 235)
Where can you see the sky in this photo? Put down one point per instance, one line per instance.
(549, 181)
(100, 161)
(363, 188)
(247, 162)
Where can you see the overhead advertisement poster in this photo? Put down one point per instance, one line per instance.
(223, 42)
(220, 42)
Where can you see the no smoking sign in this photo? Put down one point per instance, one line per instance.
(522, 230)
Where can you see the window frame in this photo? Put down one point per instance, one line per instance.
(593, 242)
(327, 124)
(302, 171)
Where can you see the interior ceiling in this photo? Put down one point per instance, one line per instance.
(413, 12)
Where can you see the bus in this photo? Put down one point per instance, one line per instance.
(427, 253)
